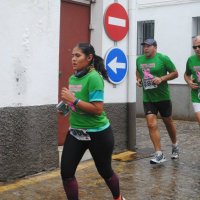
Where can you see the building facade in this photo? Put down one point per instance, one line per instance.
(30, 63)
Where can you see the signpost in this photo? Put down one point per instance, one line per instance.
(116, 22)
(116, 65)
(116, 25)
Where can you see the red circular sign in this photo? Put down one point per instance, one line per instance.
(116, 22)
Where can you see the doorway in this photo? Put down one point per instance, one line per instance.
(74, 28)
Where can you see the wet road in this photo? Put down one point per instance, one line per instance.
(172, 180)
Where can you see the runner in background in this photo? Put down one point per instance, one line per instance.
(152, 73)
(89, 126)
(192, 76)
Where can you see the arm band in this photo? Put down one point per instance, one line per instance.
(76, 101)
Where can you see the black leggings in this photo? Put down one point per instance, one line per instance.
(101, 148)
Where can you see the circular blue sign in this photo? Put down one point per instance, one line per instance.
(116, 65)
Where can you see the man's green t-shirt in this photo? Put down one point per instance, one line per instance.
(88, 88)
(193, 69)
(157, 66)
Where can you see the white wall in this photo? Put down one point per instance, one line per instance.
(29, 51)
(29, 55)
(173, 28)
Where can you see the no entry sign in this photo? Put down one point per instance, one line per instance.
(116, 22)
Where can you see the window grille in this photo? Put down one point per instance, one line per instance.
(195, 26)
(145, 30)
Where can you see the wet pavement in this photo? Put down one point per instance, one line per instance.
(139, 180)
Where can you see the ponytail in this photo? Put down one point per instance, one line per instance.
(100, 67)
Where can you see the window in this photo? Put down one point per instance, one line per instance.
(145, 30)
(195, 26)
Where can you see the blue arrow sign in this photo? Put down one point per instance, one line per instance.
(116, 65)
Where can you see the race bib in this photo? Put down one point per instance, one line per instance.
(80, 134)
(148, 84)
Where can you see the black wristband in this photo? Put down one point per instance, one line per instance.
(76, 101)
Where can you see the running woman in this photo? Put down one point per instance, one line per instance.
(89, 126)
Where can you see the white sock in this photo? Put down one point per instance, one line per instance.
(175, 145)
(158, 152)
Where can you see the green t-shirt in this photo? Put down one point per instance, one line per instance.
(193, 69)
(157, 66)
(88, 88)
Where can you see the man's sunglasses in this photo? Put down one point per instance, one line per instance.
(195, 47)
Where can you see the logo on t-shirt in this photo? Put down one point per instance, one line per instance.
(75, 88)
(146, 70)
(197, 70)
(148, 77)
(147, 66)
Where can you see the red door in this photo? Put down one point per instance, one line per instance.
(74, 28)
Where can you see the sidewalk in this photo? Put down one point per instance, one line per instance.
(172, 180)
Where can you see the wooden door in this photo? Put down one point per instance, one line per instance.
(74, 28)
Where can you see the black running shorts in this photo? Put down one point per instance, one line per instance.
(163, 107)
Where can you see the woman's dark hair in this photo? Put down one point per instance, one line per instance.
(97, 61)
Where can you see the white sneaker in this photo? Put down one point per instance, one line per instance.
(158, 158)
(175, 152)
